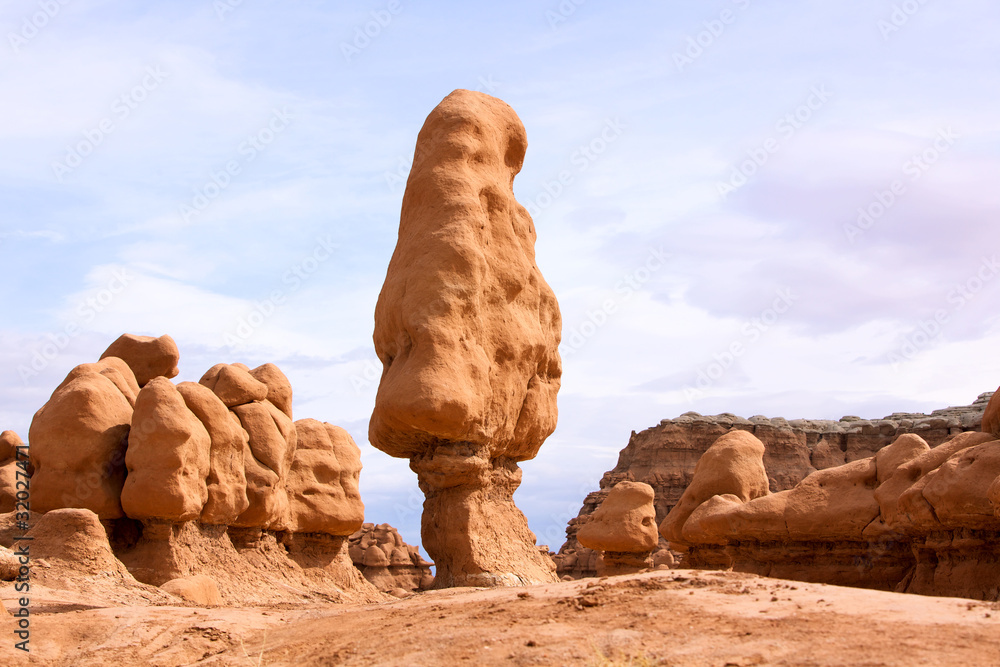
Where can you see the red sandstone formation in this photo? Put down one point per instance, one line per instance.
(624, 528)
(665, 456)
(9, 443)
(323, 481)
(148, 357)
(912, 518)
(468, 332)
(78, 440)
(211, 468)
(387, 561)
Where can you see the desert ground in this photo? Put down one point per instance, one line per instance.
(664, 617)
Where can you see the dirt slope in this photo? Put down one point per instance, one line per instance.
(677, 617)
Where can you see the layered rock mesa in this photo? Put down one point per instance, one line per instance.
(665, 456)
(468, 330)
(911, 518)
(201, 479)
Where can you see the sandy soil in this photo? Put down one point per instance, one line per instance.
(677, 617)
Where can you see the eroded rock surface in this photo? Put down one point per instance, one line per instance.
(913, 518)
(210, 465)
(665, 455)
(468, 332)
(148, 357)
(624, 529)
(79, 437)
(384, 559)
(323, 481)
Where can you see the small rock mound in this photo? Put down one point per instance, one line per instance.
(387, 561)
(199, 589)
(624, 528)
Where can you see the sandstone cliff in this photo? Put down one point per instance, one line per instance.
(665, 456)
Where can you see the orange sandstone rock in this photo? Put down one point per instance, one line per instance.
(991, 417)
(226, 482)
(468, 330)
(148, 357)
(279, 389)
(78, 440)
(267, 459)
(234, 384)
(734, 464)
(624, 522)
(9, 442)
(322, 482)
(168, 458)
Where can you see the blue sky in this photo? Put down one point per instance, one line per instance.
(744, 206)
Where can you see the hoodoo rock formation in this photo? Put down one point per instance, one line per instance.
(207, 485)
(624, 528)
(468, 330)
(387, 561)
(665, 456)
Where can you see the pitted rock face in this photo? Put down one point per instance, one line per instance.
(468, 334)
(78, 440)
(466, 326)
(625, 522)
(323, 490)
(168, 457)
(148, 357)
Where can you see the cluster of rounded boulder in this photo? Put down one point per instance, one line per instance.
(212, 480)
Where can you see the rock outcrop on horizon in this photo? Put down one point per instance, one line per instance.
(665, 456)
(623, 528)
(387, 561)
(912, 518)
(468, 330)
(218, 483)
